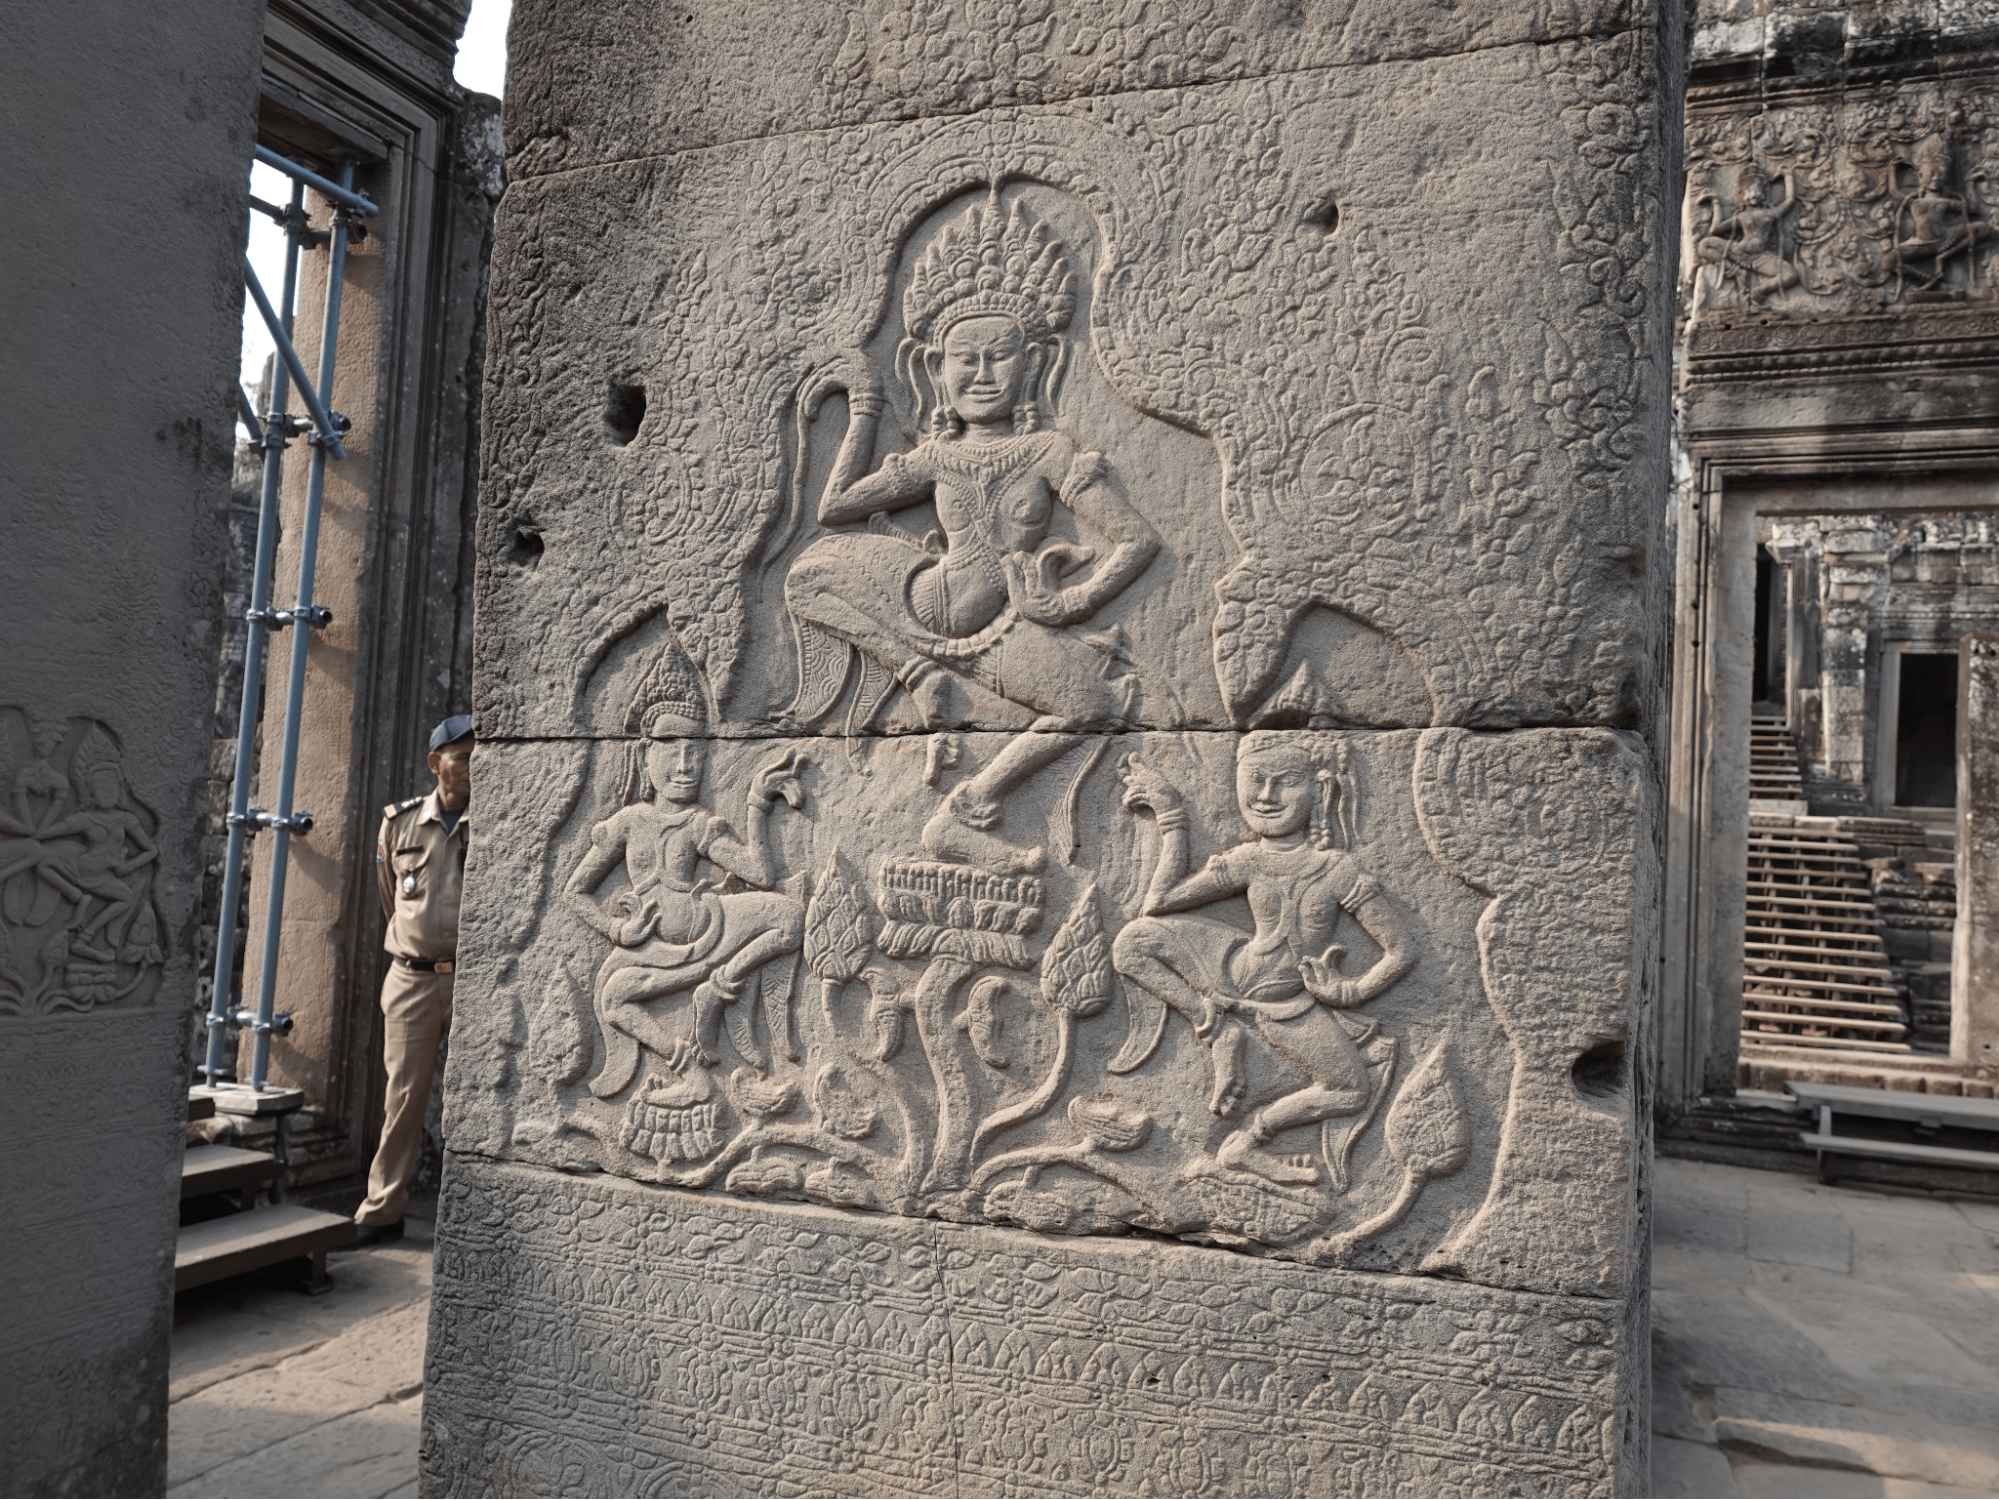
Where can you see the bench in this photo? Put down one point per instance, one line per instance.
(1930, 1112)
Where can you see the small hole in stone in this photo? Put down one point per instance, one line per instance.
(1599, 1072)
(526, 547)
(624, 409)
(1326, 214)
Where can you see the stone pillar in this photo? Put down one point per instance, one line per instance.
(129, 133)
(1021, 937)
(1974, 958)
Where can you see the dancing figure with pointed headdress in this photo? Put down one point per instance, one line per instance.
(989, 607)
(674, 927)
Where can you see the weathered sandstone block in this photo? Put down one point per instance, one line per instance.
(1064, 889)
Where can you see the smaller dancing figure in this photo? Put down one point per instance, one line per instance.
(1747, 245)
(673, 929)
(1284, 978)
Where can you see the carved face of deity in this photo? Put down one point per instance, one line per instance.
(677, 768)
(1275, 790)
(986, 366)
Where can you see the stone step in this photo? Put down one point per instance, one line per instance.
(1870, 944)
(1850, 1044)
(1850, 973)
(217, 1169)
(1769, 984)
(1894, 1029)
(243, 1242)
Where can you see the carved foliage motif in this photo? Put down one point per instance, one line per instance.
(929, 1360)
(1457, 489)
(1877, 200)
(78, 925)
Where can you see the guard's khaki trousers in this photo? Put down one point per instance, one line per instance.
(416, 1013)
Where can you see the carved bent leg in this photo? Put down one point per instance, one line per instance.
(1163, 955)
(1320, 1048)
(756, 928)
(1070, 684)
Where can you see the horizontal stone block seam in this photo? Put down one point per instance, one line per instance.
(1605, 37)
(529, 740)
(932, 1227)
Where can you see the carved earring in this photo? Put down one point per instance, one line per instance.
(1026, 417)
(1322, 815)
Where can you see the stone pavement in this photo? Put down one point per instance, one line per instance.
(275, 1393)
(1807, 1341)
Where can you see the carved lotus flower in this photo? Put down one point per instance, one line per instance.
(1076, 970)
(760, 1097)
(840, 925)
(1109, 1123)
(1426, 1127)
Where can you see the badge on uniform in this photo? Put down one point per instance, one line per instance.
(409, 884)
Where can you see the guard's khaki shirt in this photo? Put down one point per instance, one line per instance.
(420, 867)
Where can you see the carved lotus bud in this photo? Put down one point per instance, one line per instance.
(1426, 1127)
(760, 1097)
(1076, 970)
(841, 1110)
(840, 925)
(1109, 1123)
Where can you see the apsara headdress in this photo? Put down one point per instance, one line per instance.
(669, 701)
(991, 261)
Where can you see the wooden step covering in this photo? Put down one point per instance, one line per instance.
(217, 1169)
(243, 1242)
(1814, 967)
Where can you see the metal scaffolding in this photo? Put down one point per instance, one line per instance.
(322, 428)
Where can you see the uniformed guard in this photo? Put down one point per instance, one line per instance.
(420, 867)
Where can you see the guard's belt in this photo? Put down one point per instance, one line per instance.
(426, 965)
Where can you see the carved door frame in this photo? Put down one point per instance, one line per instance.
(1729, 480)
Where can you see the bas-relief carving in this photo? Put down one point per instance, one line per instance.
(774, 1346)
(78, 926)
(1876, 201)
(1293, 414)
(945, 930)
(989, 625)
(1291, 991)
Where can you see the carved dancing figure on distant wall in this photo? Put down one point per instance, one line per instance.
(673, 929)
(1747, 246)
(1284, 979)
(1940, 223)
(991, 606)
(109, 830)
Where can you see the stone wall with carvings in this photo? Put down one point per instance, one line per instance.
(1067, 638)
(116, 360)
(1839, 209)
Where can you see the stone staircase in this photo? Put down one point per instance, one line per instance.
(1814, 970)
(1773, 763)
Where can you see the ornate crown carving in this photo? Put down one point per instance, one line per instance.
(987, 262)
(669, 700)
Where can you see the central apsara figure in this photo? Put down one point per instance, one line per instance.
(991, 607)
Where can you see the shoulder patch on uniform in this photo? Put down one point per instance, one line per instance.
(397, 809)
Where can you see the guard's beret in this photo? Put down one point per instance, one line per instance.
(457, 727)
